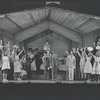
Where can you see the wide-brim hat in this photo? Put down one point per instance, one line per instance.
(98, 47)
(89, 48)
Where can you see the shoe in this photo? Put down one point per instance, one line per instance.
(4, 80)
(19, 79)
(88, 81)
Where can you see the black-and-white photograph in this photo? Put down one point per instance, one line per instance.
(50, 42)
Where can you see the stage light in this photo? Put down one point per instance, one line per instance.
(54, 2)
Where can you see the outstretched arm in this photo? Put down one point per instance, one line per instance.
(92, 54)
(21, 51)
(78, 53)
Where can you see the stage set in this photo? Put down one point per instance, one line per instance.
(49, 45)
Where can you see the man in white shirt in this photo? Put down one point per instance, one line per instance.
(71, 60)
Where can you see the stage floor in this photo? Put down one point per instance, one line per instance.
(50, 82)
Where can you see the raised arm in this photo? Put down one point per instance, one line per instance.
(78, 53)
(92, 54)
(21, 51)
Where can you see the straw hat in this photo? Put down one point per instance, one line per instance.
(89, 48)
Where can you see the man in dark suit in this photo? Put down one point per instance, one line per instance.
(38, 60)
(77, 70)
(28, 64)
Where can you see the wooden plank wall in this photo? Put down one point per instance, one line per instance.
(7, 37)
(89, 38)
(58, 43)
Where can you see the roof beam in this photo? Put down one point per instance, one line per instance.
(40, 27)
(6, 34)
(31, 31)
(13, 22)
(65, 32)
(84, 23)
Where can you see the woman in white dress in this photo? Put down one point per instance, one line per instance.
(17, 66)
(5, 64)
(96, 66)
(88, 66)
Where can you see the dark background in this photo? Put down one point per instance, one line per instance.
(83, 6)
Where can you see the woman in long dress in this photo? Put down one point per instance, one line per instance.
(5, 64)
(96, 66)
(88, 66)
(17, 66)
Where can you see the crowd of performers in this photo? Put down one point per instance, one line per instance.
(84, 63)
(81, 63)
(18, 64)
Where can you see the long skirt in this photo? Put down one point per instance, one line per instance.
(5, 65)
(96, 69)
(88, 68)
(17, 66)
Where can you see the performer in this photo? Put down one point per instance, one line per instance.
(77, 70)
(38, 60)
(33, 65)
(44, 64)
(71, 66)
(47, 47)
(6, 64)
(17, 66)
(11, 61)
(96, 66)
(11, 71)
(66, 61)
(82, 62)
(98, 42)
(28, 63)
(88, 65)
(54, 65)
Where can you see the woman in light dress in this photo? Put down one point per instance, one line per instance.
(96, 66)
(5, 63)
(17, 66)
(88, 66)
